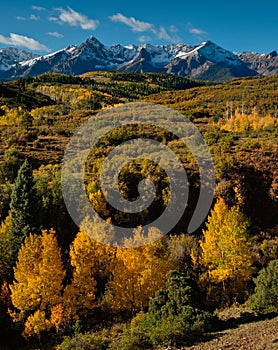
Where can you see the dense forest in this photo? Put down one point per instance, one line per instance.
(62, 288)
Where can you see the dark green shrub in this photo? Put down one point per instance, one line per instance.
(175, 316)
(265, 297)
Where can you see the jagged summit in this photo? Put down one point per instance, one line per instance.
(92, 40)
(206, 60)
(272, 54)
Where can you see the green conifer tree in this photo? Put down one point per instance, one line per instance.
(23, 208)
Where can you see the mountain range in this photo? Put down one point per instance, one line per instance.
(206, 61)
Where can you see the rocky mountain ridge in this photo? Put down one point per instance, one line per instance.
(206, 61)
(12, 55)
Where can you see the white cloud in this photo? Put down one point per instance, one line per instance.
(134, 24)
(53, 19)
(173, 29)
(23, 41)
(197, 31)
(56, 34)
(75, 19)
(164, 35)
(144, 39)
(200, 33)
(38, 8)
(32, 18)
(140, 26)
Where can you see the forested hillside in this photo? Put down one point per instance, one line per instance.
(64, 289)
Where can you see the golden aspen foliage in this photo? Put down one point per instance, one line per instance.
(66, 93)
(5, 294)
(99, 231)
(12, 116)
(125, 285)
(51, 271)
(5, 251)
(99, 203)
(226, 247)
(137, 273)
(79, 295)
(25, 290)
(5, 226)
(157, 266)
(36, 324)
(38, 277)
(57, 317)
(90, 263)
(243, 122)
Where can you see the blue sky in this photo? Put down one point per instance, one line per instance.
(47, 26)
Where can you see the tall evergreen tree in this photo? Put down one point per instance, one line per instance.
(23, 208)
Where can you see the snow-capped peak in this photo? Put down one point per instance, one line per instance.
(212, 52)
(68, 51)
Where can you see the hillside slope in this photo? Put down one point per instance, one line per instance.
(245, 160)
(256, 335)
(223, 99)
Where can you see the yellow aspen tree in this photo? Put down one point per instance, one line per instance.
(36, 324)
(157, 265)
(51, 271)
(5, 250)
(90, 260)
(25, 290)
(125, 284)
(137, 273)
(226, 247)
(38, 277)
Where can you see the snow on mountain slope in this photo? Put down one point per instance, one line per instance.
(65, 52)
(150, 58)
(209, 61)
(213, 53)
(123, 53)
(11, 55)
